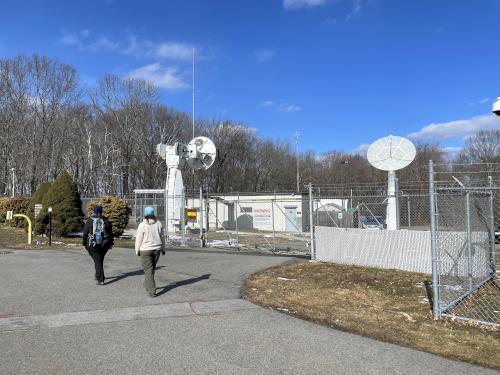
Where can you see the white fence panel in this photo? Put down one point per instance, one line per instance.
(407, 250)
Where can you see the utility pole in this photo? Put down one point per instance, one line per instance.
(297, 135)
(13, 182)
(194, 54)
(193, 100)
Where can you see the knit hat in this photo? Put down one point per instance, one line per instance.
(97, 209)
(149, 211)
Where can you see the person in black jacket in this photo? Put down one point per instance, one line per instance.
(98, 239)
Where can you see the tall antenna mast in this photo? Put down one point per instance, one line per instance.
(297, 135)
(194, 53)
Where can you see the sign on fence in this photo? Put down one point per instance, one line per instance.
(191, 214)
(9, 215)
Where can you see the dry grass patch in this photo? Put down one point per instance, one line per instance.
(387, 305)
(16, 238)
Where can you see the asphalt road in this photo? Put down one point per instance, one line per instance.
(55, 320)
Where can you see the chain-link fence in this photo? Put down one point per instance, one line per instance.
(465, 284)
(353, 228)
(273, 222)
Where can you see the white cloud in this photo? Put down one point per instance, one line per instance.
(264, 55)
(479, 102)
(70, 39)
(267, 103)
(299, 4)
(102, 44)
(357, 6)
(451, 150)
(280, 107)
(164, 77)
(164, 50)
(174, 51)
(457, 128)
(330, 21)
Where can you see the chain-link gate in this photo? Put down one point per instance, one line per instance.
(465, 284)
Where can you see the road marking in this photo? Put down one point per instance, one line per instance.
(187, 309)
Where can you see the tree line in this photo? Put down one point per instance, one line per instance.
(105, 137)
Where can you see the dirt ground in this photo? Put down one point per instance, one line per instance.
(387, 305)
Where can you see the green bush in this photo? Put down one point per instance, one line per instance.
(4, 204)
(37, 198)
(116, 210)
(67, 215)
(19, 205)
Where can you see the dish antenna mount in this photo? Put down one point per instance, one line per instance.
(391, 154)
(198, 154)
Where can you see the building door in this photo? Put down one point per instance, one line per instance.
(291, 219)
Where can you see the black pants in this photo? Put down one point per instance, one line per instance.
(98, 255)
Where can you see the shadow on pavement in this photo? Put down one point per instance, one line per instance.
(114, 279)
(177, 284)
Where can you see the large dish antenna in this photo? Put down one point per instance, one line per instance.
(201, 153)
(391, 154)
(198, 154)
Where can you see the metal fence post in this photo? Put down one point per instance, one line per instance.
(202, 239)
(469, 241)
(311, 222)
(409, 211)
(236, 217)
(166, 208)
(272, 218)
(492, 228)
(436, 311)
(398, 213)
(183, 217)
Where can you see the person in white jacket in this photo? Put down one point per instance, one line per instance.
(149, 243)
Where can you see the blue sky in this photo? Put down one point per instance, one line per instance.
(342, 72)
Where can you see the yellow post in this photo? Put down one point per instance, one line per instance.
(29, 225)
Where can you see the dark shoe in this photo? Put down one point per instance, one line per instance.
(99, 282)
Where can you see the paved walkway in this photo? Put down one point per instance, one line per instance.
(55, 320)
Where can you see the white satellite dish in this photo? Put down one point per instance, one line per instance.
(199, 154)
(391, 154)
(202, 152)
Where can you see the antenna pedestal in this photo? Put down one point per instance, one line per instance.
(391, 214)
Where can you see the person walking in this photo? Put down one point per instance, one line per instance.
(149, 243)
(98, 239)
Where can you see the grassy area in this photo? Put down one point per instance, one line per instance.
(16, 238)
(387, 305)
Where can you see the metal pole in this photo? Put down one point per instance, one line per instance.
(469, 240)
(409, 211)
(272, 214)
(492, 228)
(311, 223)
(166, 207)
(207, 215)
(194, 53)
(135, 206)
(396, 193)
(50, 227)
(297, 134)
(183, 217)
(202, 242)
(236, 217)
(13, 182)
(436, 312)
